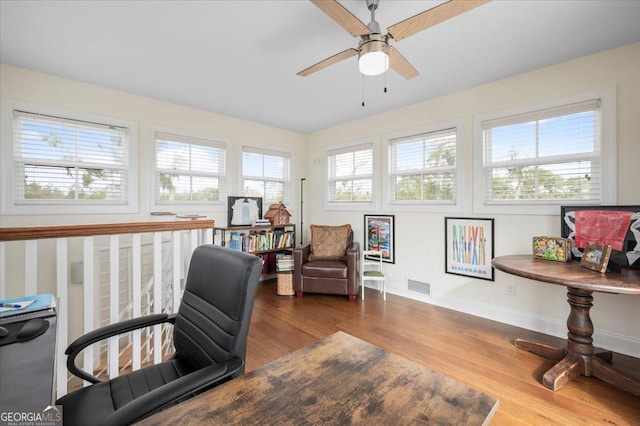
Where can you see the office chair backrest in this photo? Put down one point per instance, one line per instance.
(213, 319)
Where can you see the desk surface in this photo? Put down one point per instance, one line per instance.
(337, 380)
(27, 369)
(569, 274)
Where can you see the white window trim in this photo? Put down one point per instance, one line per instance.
(356, 206)
(427, 205)
(609, 155)
(255, 148)
(199, 207)
(7, 207)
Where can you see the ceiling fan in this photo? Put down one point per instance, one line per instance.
(375, 55)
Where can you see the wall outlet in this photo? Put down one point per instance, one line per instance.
(510, 289)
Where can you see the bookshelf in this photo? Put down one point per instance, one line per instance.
(268, 242)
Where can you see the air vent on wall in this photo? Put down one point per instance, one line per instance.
(419, 287)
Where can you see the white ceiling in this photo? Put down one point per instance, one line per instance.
(240, 58)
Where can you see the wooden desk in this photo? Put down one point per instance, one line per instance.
(337, 380)
(578, 357)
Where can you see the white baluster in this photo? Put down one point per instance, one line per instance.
(114, 302)
(157, 295)
(177, 269)
(63, 314)
(88, 302)
(136, 283)
(3, 271)
(31, 267)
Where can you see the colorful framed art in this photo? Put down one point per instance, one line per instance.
(469, 247)
(379, 235)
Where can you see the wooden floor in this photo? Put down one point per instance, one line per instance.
(475, 351)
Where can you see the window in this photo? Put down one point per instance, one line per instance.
(189, 170)
(63, 164)
(422, 168)
(544, 157)
(350, 175)
(266, 174)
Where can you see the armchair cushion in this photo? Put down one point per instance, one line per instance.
(325, 269)
(329, 242)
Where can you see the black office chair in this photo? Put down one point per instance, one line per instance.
(210, 339)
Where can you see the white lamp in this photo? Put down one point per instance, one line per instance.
(374, 56)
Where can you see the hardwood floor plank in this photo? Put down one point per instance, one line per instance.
(472, 350)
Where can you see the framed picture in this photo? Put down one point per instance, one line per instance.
(379, 235)
(618, 226)
(596, 257)
(243, 211)
(469, 247)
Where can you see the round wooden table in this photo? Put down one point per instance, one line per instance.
(578, 357)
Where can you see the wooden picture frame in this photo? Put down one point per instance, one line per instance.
(245, 216)
(596, 257)
(379, 233)
(469, 247)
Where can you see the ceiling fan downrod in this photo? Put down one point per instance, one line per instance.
(374, 26)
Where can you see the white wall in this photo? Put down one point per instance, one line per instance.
(149, 114)
(420, 236)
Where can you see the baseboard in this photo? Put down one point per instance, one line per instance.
(602, 339)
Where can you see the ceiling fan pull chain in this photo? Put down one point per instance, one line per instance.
(385, 81)
(363, 90)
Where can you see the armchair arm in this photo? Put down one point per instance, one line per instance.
(300, 257)
(78, 345)
(173, 392)
(353, 268)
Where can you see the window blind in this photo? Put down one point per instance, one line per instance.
(548, 155)
(65, 161)
(350, 174)
(423, 167)
(189, 170)
(266, 174)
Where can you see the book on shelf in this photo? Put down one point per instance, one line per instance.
(235, 244)
(284, 262)
(261, 240)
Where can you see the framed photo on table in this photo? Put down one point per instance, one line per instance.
(596, 257)
(379, 235)
(469, 247)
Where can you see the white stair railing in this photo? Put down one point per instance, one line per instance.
(36, 260)
(126, 282)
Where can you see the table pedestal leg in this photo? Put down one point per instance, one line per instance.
(606, 372)
(579, 357)
(550, 352)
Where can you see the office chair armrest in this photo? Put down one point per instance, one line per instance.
(173, 392)
(78, 345)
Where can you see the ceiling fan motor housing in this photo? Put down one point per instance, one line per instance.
(373, 54)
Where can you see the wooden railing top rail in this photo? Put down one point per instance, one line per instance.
(65, 231)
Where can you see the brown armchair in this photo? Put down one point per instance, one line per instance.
(329, 264)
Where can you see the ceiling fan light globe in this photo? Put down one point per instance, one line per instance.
(373, 63)
(374, 55)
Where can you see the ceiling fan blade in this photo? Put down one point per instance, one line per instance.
(342, 16)
(329, 61)
(431, 17)
(399, 64)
